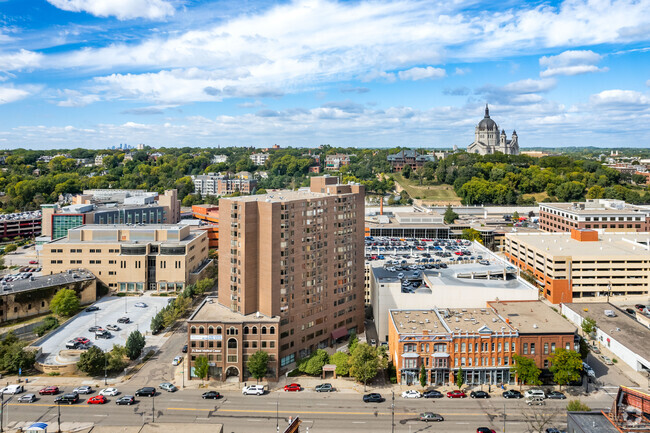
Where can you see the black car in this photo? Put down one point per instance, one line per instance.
(479, 394)
(556, 395)
(630, 311)
(432, 394)
(147, 391)
(104, 334)
(512, 393)
(92, 308)
(373, 398)
(211, 394)
(184, 349)
(126, 399)
(123, 320)
(94, 328)
(70, 398)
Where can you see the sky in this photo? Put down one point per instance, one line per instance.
(414, 73)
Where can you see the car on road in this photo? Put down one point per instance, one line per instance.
(479, 394)
(92, 308)
(98, 399)
(484, 430)
(457, 393)
(27, 398)
(606, 360)
(556, 395)
(125, 399)
(177, 360)
(325, 387)
(113, 327)
(211, 394)
(33, 262)
(109, 391)
(432, 394)
(49, 390)
(124, 320)
(140, 305)
(430, 416)
(374, 397)
(12, 389)
(552, 430)
(534, 392)
(512, 393)
(169, 387)
(184, 349)
(292, 387)
(147, 391)
(84, 389)
(373, 342)
(411, 393)
(253, 390)
(70, 398)
(590, 371)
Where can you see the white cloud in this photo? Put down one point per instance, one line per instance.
(417, 73)
(75, 98)
(530, 86)
(19, 60)
(621, 99)
(121, 9)
(462, 71)
(518, 92)
(572, 62)
(11, 94)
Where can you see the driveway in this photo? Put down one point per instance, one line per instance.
(111, 309)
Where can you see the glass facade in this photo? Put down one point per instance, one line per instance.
(61, 223)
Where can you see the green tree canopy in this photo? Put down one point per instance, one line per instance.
(565, 366)
(460, 378)
(353, 340)
(314, 365)
(65, 303)
(201, 367)
(526, 370)
(11, 248)
(450, 215)
(472, 235)
(134, 345)
(423, 376)
(342, 362)
(92, 361)
(588, 325)
(364, 363)
(577, 406)
(117, 358)
(258, 364)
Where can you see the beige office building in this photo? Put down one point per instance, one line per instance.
(130, 258)
(297, 256)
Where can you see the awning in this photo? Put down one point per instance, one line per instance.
(410, 355)
(440, 355)
(340, 332)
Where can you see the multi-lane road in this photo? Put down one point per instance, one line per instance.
(335, 412)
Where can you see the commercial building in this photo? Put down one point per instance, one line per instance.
(584, 265)
(32, 296)
(620, 333)
(336, 161)
(259, 158)
(605, 214)
(298, 256)
(476, 340)
(629, 414)
(22, 224)
(130, 258)
(218, 184)
(409, 157)
(210, 215)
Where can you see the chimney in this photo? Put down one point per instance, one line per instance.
(381, 205)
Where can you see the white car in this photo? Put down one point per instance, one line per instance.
(538, 393)
(590, 371)
(411, 393)
(109, 392)
(400, 275)
(140, 305)
(253, 390)
(177, 360)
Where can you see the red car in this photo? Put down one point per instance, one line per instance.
(33, 262)
(82, 340)
(292, 387)
(456, 394)
(49, 390)
(98, 399)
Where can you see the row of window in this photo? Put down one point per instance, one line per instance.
(232, 330)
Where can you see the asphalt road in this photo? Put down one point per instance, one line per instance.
(336, 412)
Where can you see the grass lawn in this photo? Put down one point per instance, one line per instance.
(438, 194)
(538, 196)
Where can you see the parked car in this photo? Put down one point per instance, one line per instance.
(109, 391)
(374, 397)
(184, 349)
(147, 391)
(457, 393)
(639, 307)
(140, 305)
(82, 340)
(552, 430)
(432, 394)
(411, 393)
(70, 398)
(211, 394)
(479, 394)
(253, 390)
(33, 262)
(123, 320)
(590, 371)
(556, 395)
(484, 430)
(49, 390)
(12, 389)
(606, 360)
(512, 393)
(126, 399)
(534, 393)
(594, 349)
(72, 345)
(630, 311)
(92, 308)
(325, 387)
(430, 416)
(84, 389)
(98, 399)
(103, 334)
(177, 360)
(27, 398)
(292, 387)
(113, 327)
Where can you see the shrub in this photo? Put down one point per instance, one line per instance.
(54, 373)
(577, 406)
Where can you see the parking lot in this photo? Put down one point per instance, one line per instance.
(111, 308)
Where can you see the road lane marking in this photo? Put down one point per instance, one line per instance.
(305, 412)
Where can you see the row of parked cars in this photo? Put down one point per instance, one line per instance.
(511, 393)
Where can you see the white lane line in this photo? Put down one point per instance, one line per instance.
(462, 423)
(358, 422)
(177, 399)
(253, 420)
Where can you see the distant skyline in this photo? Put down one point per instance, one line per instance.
(414, 73)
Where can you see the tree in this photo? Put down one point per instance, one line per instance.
(364, 363)
(577, 406)
(639, 179)
(450, 215)
(201, 367)
(2, 263)
(565, 366)
(584, 348)
(157, 322)
(515, 216)
(203, 285)
(538, 420)
(314, 365)
(134, 345)
(10, 248)
(407, 171)
(92, 361)
(258, 364)
(116, 358)
(65, 303)
(526, 370)
(588, 326)
(14, 356)
(460, 379)
(352, 342)
(472, 235)
(423, 376)
(342, 362)
(595, 191)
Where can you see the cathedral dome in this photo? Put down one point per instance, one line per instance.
(487, 123)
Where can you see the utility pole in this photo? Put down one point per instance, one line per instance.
(153, 407)
(105, 369)
(2, 411)
(277, 417)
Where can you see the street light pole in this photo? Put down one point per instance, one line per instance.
(153, 407)
(2, 411)
(58, 418)
(392, 409)
(183, 372)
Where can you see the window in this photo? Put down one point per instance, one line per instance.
(568, 346)
(272, 330)
(545, 348)
(201, 330)
(410, 348)
(552, 347)
(546, 363)
(232, 343)
(193, 330)
(525, 348)
(532, 348)
(218, 329)
(246, 330)
(210, 330)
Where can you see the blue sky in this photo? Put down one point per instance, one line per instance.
(96, 73)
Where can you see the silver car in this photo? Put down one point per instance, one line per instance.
(27, 398)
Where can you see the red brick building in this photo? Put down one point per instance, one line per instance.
(611, 215)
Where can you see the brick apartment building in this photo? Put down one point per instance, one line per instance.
(296, 257)
(218, 184)
(611, 215)
(408, 157)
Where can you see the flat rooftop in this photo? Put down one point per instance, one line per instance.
(54, 280)
(280, 196)
(591, 208)
(609, 245)
(448, 320)
(211, 310)
(625, 329)
(533, 317)
(592, 422)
